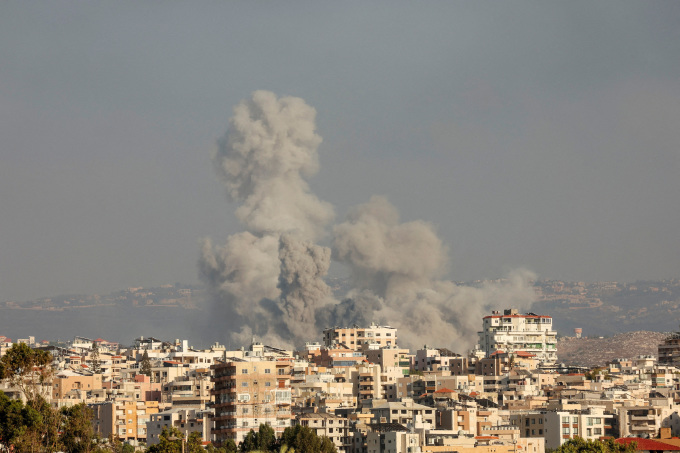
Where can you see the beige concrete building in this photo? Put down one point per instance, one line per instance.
(247, 394)
(70, 388)
(124, 419)
(359, 338)
(186, 420)
(334, 427)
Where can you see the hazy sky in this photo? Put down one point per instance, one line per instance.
(543, 135)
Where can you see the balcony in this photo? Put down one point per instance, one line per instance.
(636, 418)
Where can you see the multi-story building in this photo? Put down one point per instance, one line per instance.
(247, 394)
(669, 351)
(359, 338)
(332, 426)
(404, 412)
(190, 390)
(512, 332)
(186, 420)
(557, 427)
(126, 420)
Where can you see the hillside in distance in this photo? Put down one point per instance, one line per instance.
(596, 351)
(186, 311)
(608, 308)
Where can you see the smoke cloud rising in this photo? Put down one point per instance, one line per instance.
(268, 281)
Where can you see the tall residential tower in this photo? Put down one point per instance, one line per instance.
(513, 332)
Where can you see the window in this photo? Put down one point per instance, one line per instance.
(244, 371)
(267, 371)
(244, 384)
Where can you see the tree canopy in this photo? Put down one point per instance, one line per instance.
(579, 445)
(28, 369)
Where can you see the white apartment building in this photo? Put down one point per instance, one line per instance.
(512, 332)
(560, 426)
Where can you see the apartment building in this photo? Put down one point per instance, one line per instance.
(186, 420)
(403, 413)
(332, 426)
(247, 394)
(126, 420)
(557, 427)
(512, 332)
(70, 388)
(360, 338)
(669, 350)
(191, 390)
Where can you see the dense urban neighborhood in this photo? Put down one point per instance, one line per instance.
(355, 389)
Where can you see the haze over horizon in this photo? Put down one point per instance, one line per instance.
(537, 136)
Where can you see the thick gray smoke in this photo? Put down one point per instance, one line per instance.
(399, 264)
(303, 289)
(269, 280)
(268, 151)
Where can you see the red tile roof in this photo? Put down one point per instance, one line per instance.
(445, 390)
(647, 444)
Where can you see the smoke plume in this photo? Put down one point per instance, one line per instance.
(400, 263)
(269, 282)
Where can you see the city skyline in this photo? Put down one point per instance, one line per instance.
(531, 136)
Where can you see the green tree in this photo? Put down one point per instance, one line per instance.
(579, 445)
(28, 428)
(30, 370)
(249, 443)
(96, 362)
(304, 440)
(195, 443)
(266, 438)
(229, 446)
(78, 433)
(170, 441)
(145, 364)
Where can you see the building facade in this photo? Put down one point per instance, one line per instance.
(512, 332)
(358, 338)
(247, 394)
